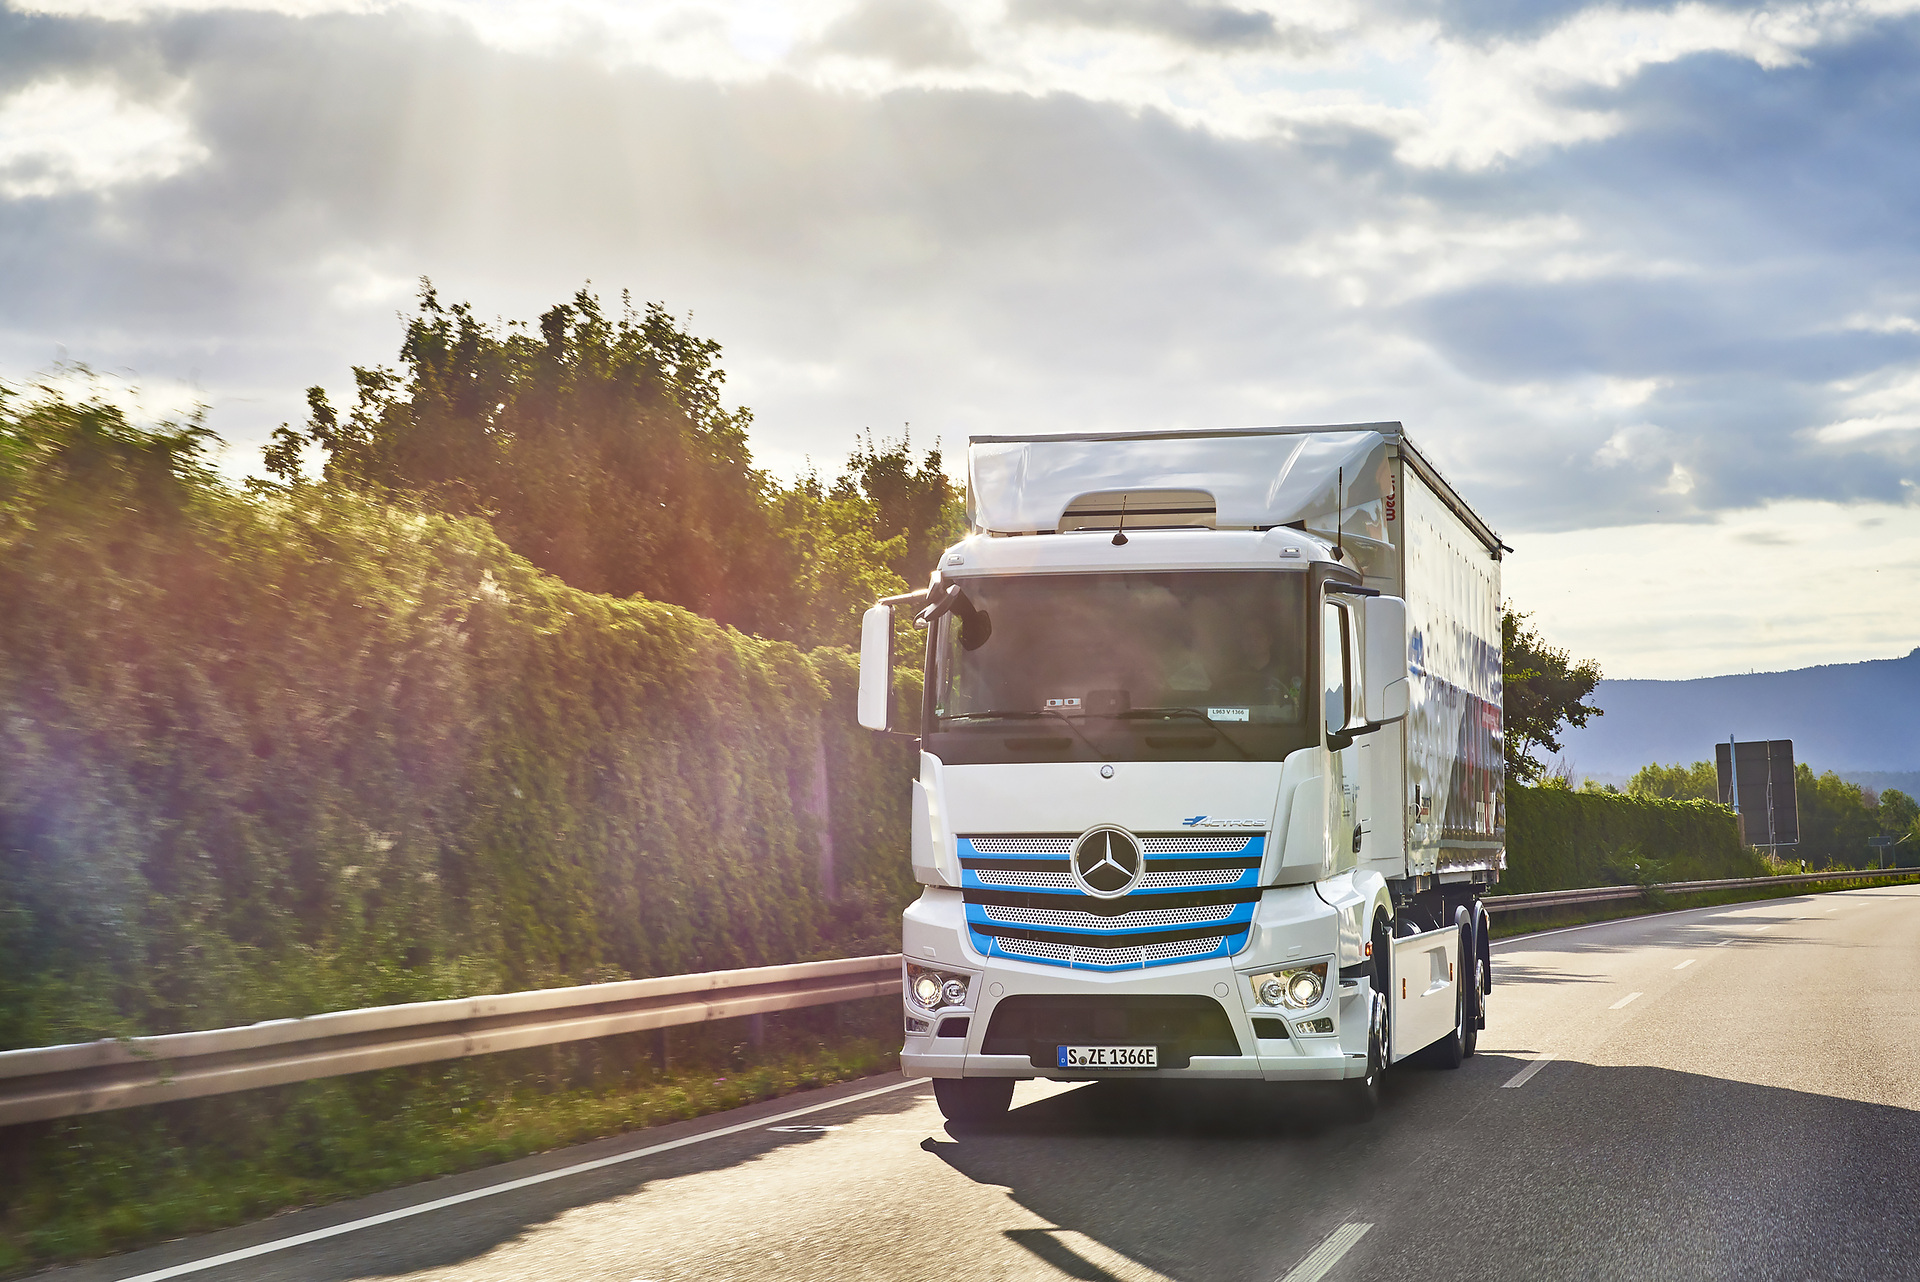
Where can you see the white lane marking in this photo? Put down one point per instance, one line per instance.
(474, 1195)
(1683, 965)
(1327, 1254)
(1520, 1078)
(1769, 926)
(1723, 943)
(1834, 909)
(1623, 1001)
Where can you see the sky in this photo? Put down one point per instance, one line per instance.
(1643, 279)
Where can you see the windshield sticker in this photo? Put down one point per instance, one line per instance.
(1229, 714)
(1063, 703)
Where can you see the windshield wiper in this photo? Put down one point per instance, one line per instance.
(1141, 714)
(1030, 714)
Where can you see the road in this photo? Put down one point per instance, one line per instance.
(1719, 1093)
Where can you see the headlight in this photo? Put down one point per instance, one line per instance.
(1304, 989)
(934, 990)
(1296, 988)
(926, 990)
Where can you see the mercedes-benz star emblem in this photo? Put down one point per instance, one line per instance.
(1106, 862)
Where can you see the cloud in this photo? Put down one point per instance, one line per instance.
(1197, 23)
(907, 33)
(972, 222)
(58, 137)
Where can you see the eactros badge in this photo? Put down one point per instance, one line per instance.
(1107, 862)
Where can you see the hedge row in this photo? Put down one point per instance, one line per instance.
(265, 756)
(1558, 839)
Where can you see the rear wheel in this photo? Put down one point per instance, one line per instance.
(1451, 1049)
(969, 1102)
(1475, 1000)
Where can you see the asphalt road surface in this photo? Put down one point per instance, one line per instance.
(1718, 1093)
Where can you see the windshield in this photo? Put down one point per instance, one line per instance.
(1190, 664)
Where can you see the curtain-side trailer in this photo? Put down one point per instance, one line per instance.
(1211, 776)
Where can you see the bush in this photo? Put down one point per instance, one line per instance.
(1558, 839)
(265, 755)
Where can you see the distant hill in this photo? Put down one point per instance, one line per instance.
(1859, 719)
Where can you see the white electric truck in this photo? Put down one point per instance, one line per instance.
(1211, 776)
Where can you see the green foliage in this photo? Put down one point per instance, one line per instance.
(1542, 690)
(1560, 839)
(1836, 818)
(263, 755)
(600, 450)
(1697, 782)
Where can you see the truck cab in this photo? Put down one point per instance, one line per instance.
(1181, 763)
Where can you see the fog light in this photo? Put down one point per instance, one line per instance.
(1271, 990)
(916, 1025)
(955, 991)
(1321, 1025)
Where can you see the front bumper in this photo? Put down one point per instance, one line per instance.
(1290, 925)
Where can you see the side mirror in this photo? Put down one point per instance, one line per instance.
(876, 668)
(1386, 692)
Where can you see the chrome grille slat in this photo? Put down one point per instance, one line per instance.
(1227, 844)
(1180, 948)
(1024, 877)
(1037, 948)
(1022, 845)
(1065, 919)
(1193, 877)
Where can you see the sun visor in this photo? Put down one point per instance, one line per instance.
(1250, 479)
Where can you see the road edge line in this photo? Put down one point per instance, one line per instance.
(525, 1181)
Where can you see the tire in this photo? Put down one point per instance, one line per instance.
(1450, 1050)
(973, 1103)
(1473, 999)
(1360, 1096)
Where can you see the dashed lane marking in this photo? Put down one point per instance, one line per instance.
(1327, 1254)
(1624, 1000)
(1524, 1075)
(1683, 965)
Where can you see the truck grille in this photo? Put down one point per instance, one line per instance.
(1194, 899)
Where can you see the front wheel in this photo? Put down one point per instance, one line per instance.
(1361, 1095)
(973, 1102)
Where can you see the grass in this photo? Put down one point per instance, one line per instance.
(1529, 921)
(92, 1186)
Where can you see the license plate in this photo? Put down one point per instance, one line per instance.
(1109, 1057)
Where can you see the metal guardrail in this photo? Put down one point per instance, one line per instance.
(92, 1077)
(1595, 894)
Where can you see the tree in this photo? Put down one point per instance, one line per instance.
(1697, 782)
(1898, 812)
(1835, 819)
(601, 450)
(1543, 689)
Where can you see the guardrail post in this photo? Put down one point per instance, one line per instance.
(662, 1052)
(757, 1030)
